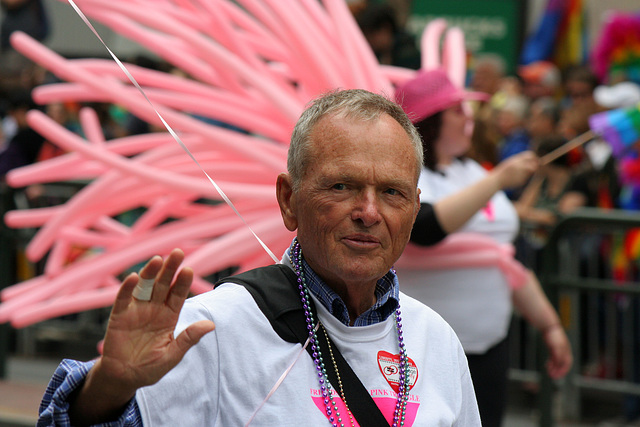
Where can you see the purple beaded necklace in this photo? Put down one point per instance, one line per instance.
(325, 386)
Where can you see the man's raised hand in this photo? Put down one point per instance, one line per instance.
(139, 345)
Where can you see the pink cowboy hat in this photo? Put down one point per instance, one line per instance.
(430, 92)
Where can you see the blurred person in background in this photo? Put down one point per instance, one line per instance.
(488, 72)
(542, 120)
(488, 76)
(65, 116)
(476, 302)
(547, 196)
(596, 183)
(484, 144)
(510, 121)
(579, 85)
(390, 42)
(540, 79)
(28, 16)
(24, 146)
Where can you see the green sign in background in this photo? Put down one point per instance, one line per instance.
(490, 26)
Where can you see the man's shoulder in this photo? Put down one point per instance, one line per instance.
(274, 288)
(271, 290)
(274, 273)
(232, 285)
(229, 296)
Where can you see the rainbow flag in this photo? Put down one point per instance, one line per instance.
(561, 35)
(572, 46)
(620, 127)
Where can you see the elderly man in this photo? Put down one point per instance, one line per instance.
(351, 194)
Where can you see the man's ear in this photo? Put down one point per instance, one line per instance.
(286, 201)
(418, 204)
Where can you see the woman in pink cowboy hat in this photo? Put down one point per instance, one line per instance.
(477, 301)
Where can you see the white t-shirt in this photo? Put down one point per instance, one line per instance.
(476, 302)
(225, 378)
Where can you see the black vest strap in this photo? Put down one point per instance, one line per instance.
(274, 288)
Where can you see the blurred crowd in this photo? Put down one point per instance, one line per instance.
(539, 107)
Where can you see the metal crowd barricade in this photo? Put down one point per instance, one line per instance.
(597, 293)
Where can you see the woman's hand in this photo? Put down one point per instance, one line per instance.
(560, 356)
(514, 171)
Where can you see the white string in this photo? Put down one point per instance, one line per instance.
(173, 134)
(282, 377)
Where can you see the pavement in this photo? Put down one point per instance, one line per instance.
(22, 389)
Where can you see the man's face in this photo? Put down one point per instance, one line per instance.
(357, 200)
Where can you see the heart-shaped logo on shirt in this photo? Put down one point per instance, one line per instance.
(389, 365)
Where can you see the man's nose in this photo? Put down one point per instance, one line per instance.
(367, 208)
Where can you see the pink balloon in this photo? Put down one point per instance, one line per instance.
(121, 94)
(160, 240)
(228, 64)
(102, 297)
(454, 58)
(173, 50)
(68, 304)
(251, 63)
(466, 250)
(232, 245)
(397, 75)
(24, 287)
(430, 44)
(318, 54)
(315, 11)
(87, 238)
(31, 218)
(256, 33)
(57, 257)
(277, 129)
(72, 166)
(359, 55)
(70, 141)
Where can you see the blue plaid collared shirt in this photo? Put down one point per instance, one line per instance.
(70, 374)
(54, 408)
(387, 297)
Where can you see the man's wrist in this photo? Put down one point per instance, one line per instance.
(100, 399)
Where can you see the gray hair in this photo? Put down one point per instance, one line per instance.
(352, 103)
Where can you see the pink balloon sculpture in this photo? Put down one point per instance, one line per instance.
(252, 64)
